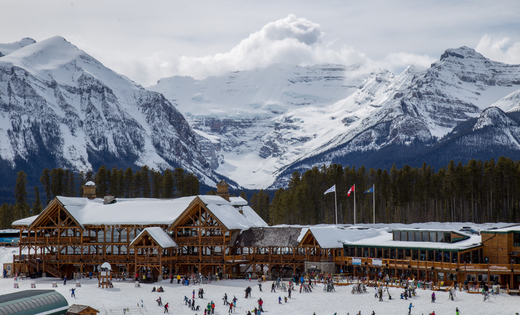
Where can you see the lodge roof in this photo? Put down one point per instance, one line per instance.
(269, 236)
(159, 235)
(234, 214)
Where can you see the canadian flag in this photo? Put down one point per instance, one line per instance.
(353, 188)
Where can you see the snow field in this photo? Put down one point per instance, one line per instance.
(126, 295)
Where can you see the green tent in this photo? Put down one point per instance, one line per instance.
(33, 302)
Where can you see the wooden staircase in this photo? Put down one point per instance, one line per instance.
(53, 271)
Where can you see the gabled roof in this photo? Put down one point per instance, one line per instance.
(232, 217)
(269, 236)
(148, 211)
(126, 211)
(159, 235)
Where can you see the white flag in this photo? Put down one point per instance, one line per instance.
(331, 189)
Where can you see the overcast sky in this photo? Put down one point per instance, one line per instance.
(148, 40)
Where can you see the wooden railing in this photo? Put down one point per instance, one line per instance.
(436, 265)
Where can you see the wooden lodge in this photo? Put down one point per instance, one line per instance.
(154, 238)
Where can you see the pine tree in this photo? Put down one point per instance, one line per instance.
(101, 181)
(6, 216)
(145, 182)
(37, 205)
(156, 184)
(129, 183)
(167, 184)
(45, 179)
(20, 194)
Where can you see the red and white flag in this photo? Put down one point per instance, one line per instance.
(351, 190)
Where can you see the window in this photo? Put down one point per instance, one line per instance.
(403, 236)
(417, 236)
(516, 239)
(397, 236)
(433, 237)
(410, 236)
(447, 237)
(440, 236)
(425, 236)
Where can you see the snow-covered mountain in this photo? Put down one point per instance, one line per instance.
(387, 118)
(236, 114)
(59, 107)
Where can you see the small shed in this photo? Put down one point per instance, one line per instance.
(77, 309)
(31, 302)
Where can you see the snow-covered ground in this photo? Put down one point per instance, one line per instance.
(126, 295)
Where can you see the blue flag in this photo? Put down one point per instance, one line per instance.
(371, 190)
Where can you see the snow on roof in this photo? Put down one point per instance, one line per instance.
(237, 201)
(159, 235)
(511, 228)
(25, 221)
(131, 211)
(90, 183)
(233, 219)
(382, 238)
(149, 211)
(334, 236)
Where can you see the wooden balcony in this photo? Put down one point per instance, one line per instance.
(435, 265)
(205, 240)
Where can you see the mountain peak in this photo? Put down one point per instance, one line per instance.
(463, 52)
(6, 49)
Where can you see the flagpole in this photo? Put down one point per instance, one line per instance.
(354, 204)
(374, 201)
(336, 204)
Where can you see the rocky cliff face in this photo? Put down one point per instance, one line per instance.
(59, 107)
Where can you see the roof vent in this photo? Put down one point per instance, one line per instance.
(109, 199)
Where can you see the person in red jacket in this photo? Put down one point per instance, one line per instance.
(166, 306)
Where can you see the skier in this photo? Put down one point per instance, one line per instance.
(166, 306)
(230, 308)
(458, 312)
(65, 280)
(234, 301)
(260, 303)
(433, 297)
(225, 299)
(279, 300)
(272, 288)
(159, 301)
(73, 294)
(260, 287)
(410, 308)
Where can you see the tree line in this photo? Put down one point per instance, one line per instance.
(142, 183)
(477, 192)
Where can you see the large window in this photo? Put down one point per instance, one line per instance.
(397, 235)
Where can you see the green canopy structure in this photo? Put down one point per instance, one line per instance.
(33, 302)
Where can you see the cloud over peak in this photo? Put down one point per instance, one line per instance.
(290, 40)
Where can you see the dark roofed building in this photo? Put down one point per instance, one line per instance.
(269, 237)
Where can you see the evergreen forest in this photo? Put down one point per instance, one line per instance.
(479, 191)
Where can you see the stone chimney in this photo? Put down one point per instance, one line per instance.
(89, 190)
(223, 189)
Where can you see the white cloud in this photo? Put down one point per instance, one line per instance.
(499, 49)
(291, 40)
